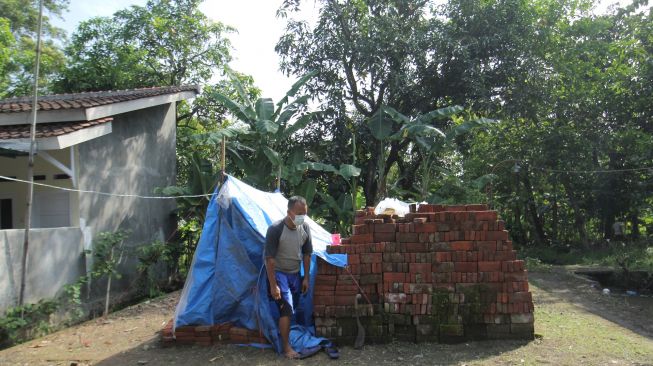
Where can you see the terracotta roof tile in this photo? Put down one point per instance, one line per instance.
(44, 130)
(87, 99)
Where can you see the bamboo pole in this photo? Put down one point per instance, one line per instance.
(223, 155)
(354, 192)
(30, 163)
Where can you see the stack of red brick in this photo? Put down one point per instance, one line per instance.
(441, 273)
(207, 335)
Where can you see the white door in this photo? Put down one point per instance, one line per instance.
(51, 209)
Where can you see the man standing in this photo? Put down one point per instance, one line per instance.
(287, 244)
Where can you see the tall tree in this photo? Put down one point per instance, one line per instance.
(21, 17)
(365, 52)
(162, 43)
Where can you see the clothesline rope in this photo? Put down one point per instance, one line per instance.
(208, 195)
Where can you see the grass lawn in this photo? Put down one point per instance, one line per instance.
(574, 324)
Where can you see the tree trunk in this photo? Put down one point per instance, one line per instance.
(579, 219)
(608, 221)
(531, 209)
(634, 220)
(370, 188)
(554, 219)
(106, 300)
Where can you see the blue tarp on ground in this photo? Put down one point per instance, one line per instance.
(227, 281)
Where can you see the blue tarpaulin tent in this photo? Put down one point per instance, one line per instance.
(227, 280)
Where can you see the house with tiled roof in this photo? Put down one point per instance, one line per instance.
(118, 142)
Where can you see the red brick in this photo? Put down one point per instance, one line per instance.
(489, 266)
(371, 257)
(443, 256)
(416, 247)
(385, 228)
(462, 245)
(476, 207)
(454, 208)
(359, 229)
(353, 259)
(497, 235)
(363, 238)
(515, 276)
(486, 245)
(427, 227)
(323, 293)
(324, 287)
(419, 267)
(323, 300)
(340, 300)
(393, 257)
(505, 255)
(394, 277)
(418, 288)
(377, 268)
(325, 280)
(486, 215)
(407, 237)
(465, 267)
(442, 267)
(520, 297)
(424, 208)
(384, 237)
(472, 256)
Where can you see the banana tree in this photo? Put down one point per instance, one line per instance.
(342, 208)
(428, 139)
(264, 153)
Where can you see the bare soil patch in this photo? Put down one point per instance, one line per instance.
(574, 324)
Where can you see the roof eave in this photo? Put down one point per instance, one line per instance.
(61, 141)
(97, 112)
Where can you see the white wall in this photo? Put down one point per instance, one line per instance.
(17, 167)
(55, 258)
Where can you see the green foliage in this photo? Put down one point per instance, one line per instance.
(632, 255)
(25, 322)
(108, 248)
(189, 231)
(150, 258)
(569, 90)
(262, 152)
(18, 47)
(108, 251)
(161, 43)
(71, 300)
(7, 52)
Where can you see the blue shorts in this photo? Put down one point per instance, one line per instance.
(290, 286)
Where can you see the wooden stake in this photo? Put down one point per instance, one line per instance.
(30, 164)
(223, 155)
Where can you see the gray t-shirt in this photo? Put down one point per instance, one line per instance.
(288, 246)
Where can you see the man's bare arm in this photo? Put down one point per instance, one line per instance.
(307, 269)
(269, 268)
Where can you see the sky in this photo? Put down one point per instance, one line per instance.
(258, 31)
(256, 23)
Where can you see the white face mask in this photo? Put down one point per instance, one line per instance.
(299, 219)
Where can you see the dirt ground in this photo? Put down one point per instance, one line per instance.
(574, 324)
